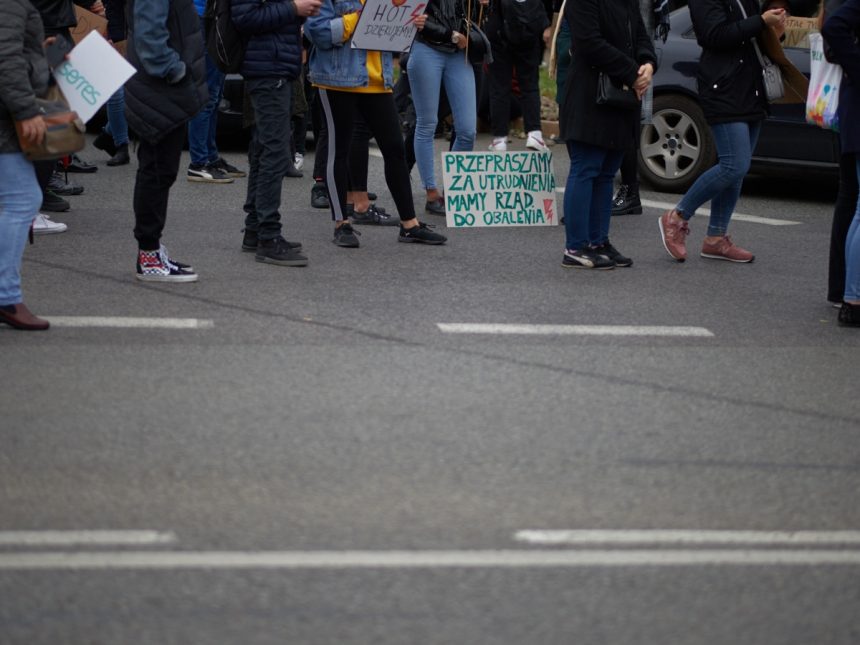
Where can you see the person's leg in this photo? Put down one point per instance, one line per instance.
(528, 65)
(20, 197)
(601, 199)
(252, 224)
(425, 78)
(626, 201)
(585, 166)
(339, 109)
(843, 216)
(499, 86)
(459, 80)
(117, 125)
(851, 295)
(359, 150)
(215, 81)
(735, 158)
(158, 164)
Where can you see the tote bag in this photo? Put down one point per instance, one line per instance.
(822, 101)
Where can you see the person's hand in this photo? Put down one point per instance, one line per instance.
(33, 129)
(306, 8)
(547, 36)
(98, 8)
(774, 17)
(643, 79)
(50, 40)
(420, 21)
(459, 39)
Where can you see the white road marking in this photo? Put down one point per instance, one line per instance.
(573, 330)
(736, 217)
(130, 323)
(679, 537)
(74, 538)
(505, 559)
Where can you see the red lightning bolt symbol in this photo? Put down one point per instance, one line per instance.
(417, 12)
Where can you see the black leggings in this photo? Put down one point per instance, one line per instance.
(380, 115)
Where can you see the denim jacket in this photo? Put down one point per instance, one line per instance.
(333, 62)
(153, 49)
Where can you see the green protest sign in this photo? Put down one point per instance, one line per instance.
(499, 189)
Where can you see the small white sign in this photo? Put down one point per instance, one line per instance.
(91, 74)
(387, 25)
(499, 189)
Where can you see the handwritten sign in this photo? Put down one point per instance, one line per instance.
(499, 189)
(92, 73)
(87, 21)
(387, 25)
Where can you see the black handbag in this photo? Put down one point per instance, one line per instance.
(478, 47)
(612, 95)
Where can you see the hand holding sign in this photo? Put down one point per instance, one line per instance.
(388, 25)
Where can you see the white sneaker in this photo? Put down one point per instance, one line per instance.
(535, 141)
(499, 144)
(299, 161)
(43, 224)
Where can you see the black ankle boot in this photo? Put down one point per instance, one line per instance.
(849, 315)
(626, 201)
(105, 143)
(121, 157)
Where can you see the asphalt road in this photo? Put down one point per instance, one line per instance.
(319, 462)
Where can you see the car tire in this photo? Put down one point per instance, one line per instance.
(676, 147)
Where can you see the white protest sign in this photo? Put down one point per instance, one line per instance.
(499, 189)
(387, 25)
(92, 73)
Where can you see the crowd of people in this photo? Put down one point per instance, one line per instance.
(298, 62)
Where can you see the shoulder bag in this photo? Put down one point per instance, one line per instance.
(774, 88)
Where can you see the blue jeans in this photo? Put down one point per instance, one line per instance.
(721, 185)
(428, 69)
(588, 194)
(852, 253)
(117, 126)
(201, 129)
(20, 198)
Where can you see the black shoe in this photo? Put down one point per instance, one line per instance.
(79, 165)
(227, 168)
(373, 216)
(611, 253)
(104, 142)
(292, 172)
(346, 236)
(250, 241)
(207, 174)
(420, 234)
(626, 201)
(849, 315)
(59, 186)
(277, 251)
(319, 195)
(121, 157)
(53, 204)
(436, 206)
(585, 259)
(371, 196)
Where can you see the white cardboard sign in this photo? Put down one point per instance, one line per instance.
(387, 25)
(91, 74)
(499, 189)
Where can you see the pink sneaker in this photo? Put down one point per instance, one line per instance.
(674, 236)
(724, 249)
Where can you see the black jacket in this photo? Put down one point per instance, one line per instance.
(842, 30)
(59, 15)
(443, 18)
(730, 77)
(274, 32)
(608, 36)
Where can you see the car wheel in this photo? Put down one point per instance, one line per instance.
(676, 147)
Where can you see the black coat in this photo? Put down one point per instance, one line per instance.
(608, 36)
(842, 30)
(730, 77)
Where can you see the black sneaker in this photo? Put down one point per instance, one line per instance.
(79, 165)
(121, 158)
(626, 201)
(373, 216)
(319, 195)
(59, 186)
(292, 172)
(250, 241)
(104, 142)
(207, 174)
(227, 168)
(585, 259)
(346, 236)
(420, 234)
(53, 203)
(277, 251)
(611, 253)
(436, 206)
(849, 315)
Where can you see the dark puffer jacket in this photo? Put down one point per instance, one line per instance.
(23, 68)
(275, 38)
(156, 105)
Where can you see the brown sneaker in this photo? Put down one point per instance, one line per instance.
(674, 236)
(724, 249)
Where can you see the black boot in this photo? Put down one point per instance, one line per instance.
(121, 157)
(849, 315)
(626, 201)
(105, 143)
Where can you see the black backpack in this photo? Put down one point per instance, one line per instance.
(523, 22)
(224, 44)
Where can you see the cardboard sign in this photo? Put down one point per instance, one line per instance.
(93, 72)
(499, 189)
(87, 22)
(387, 25)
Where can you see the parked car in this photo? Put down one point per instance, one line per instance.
(677, 146)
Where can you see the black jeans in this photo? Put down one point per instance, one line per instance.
(843, 214)
(380, 115)
(268, 154)
(526, 63)
(158, 164)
